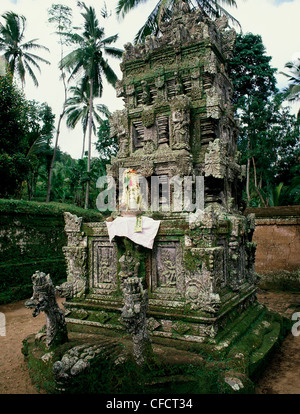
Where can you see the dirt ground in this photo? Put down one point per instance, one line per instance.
(282, 375)
(14, 376)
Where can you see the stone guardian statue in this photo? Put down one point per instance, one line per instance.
(44, 300)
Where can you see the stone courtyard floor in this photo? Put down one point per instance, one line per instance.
(282, 375)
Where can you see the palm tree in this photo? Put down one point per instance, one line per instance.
(292, 92)
(163, 10)
(16, 52)
(78, 108)
(88, 60)
(61, 16)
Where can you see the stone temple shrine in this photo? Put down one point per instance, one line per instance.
(177, 127)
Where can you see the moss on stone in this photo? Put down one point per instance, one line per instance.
(193, 260)
(282, 280)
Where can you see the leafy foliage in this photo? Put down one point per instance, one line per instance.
(39, 138)
(87, 60)
(269, 134)
(13, 129)
(292, 92)
(13, 122)
(16, 51)
(106, 145)
(251, 71)
(78, 109)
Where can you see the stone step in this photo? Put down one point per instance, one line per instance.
(260, 355)
(252, 350)
(238, 327)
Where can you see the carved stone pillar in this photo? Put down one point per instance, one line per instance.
(135, 297)
(76, 258)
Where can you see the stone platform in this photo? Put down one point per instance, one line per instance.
(196, 278)
(229, 364)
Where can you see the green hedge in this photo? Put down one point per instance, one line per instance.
(16, 278)
(31, 238)
(46, 209)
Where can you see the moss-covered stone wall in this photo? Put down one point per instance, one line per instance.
(31, 238)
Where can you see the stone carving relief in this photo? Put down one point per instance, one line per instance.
(162, 122)
(186, 26)
(76, 283)
(160, 88)
(78, 360)
(195, 84)
(138, 133)
(76, 258)
(148, 118)
(167, 268)
(120, 89)
(104, 267)
(130, 94)
(147, 168)
(150, 43)
(215, 159)
(145, 97)
(178, 103)
(118, 129)
(181, 122)
(72, 222)
(199, 293)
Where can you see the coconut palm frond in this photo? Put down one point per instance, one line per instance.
(15, 50)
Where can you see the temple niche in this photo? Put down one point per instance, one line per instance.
(177, 121)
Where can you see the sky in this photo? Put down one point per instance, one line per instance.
(277, 21)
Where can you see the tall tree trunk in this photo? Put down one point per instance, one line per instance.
(54, 156)
(87, 192)
(248, 180)
(255, 184)
(57, 132)
(83, 145)
(28, 189)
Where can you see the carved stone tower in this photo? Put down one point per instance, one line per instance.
(178, 121)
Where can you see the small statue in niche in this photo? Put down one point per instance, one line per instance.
(167, 269)
(178, 88)
(160, 85)
(129, 266)
(145, 98)
(131, 199)
(181, 122)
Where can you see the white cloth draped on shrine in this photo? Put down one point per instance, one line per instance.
(125, 227)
